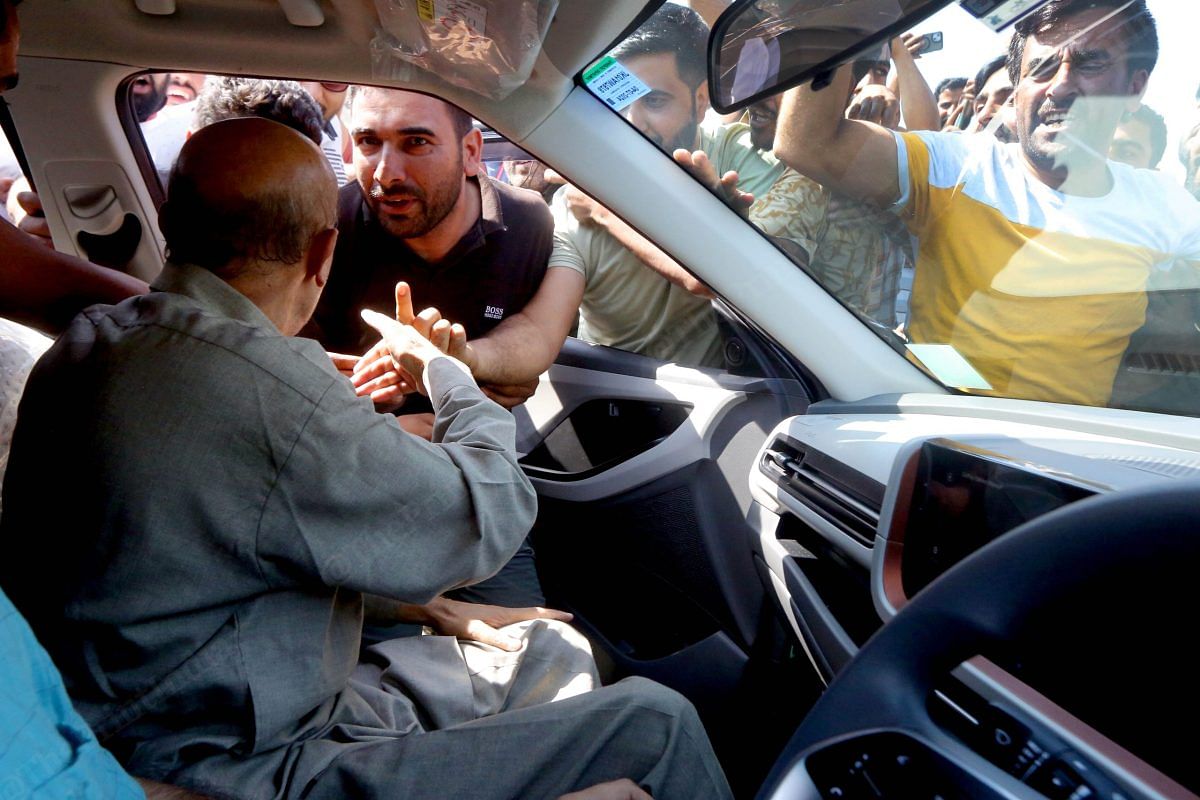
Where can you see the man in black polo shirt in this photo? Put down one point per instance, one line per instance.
(472, 250)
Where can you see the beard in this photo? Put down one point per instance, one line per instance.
(147, 104)
(685, 139)
(1071, 135)
(426, 209)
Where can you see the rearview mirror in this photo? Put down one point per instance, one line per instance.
(761, 47)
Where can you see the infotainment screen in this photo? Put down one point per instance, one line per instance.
(964, 498)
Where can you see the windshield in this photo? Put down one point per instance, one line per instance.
(1015, 212)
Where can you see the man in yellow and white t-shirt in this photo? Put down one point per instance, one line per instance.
(1038, 289)
(1034, 257)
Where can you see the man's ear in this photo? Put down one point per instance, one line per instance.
(472, 153)
(319, 258)
(702, 100)
(1137, 90)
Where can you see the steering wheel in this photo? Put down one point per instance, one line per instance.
(1104, 561)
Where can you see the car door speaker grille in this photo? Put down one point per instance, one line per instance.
(844, 497)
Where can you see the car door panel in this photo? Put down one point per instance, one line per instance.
(652, 552)
(88, 177)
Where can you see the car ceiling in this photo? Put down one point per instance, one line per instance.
(254, 37)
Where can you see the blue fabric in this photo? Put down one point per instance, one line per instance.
(46, 749)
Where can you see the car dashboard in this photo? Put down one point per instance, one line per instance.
(856, 513)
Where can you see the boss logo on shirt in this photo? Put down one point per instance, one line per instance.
(493, 312)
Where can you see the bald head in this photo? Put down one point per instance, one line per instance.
(247, 194)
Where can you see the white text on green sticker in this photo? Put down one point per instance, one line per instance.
(615, 85)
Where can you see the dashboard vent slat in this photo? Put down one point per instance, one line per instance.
(847, 499)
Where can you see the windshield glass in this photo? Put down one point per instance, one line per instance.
(1015, 212)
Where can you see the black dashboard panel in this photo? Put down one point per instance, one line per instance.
(964, 497)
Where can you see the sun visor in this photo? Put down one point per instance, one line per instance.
(486, 46)
(848, 15)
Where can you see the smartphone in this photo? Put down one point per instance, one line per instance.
(964, 121)
(930, 42)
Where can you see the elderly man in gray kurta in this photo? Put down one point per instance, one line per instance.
(197, 502)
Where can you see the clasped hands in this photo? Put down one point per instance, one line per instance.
(395, 366)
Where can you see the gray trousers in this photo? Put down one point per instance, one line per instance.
(636, 729)
(432, 717)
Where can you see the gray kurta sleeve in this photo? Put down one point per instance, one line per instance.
(362, 504)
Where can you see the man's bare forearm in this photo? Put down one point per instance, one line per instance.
(917, 102)
(516, 351)
(44, 288)
(851, 157)
(161, 791)
(385, 611)
(524, 345)
(809, 122)
(653, 256)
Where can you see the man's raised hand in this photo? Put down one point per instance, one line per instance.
(411, 342)
(409, 350)
(343, 363)
(425, 322)
(382, 376)
(25, 210)
(875, 104)
(376, 375)
(584, 208)
(700, 167)
(450, 338)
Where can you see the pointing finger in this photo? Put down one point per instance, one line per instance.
(404, 306)
(376, 320)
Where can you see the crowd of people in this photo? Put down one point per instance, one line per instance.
(627, 292)
(1045, 244)
(1004, 214)
(1018, 216)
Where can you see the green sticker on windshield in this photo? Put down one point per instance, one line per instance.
(614, 84)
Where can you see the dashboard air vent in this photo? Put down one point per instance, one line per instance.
(844, 497)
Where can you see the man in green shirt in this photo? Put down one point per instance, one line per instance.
(637, 297)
